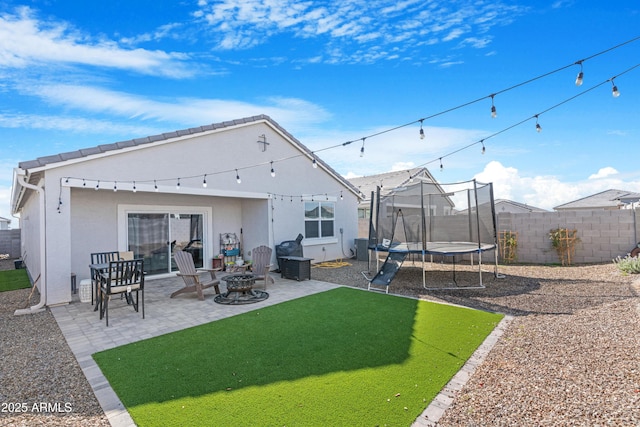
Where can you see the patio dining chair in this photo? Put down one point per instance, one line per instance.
(120, 278)
(100, 259)
(261, 264)
(193, 282)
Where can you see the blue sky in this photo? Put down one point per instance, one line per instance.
(79, 74)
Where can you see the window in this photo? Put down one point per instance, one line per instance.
(319, 219)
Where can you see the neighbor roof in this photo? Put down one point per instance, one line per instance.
(387, 181)
(606, 199)
(518, 205)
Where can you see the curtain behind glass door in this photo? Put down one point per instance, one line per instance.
(149, 239)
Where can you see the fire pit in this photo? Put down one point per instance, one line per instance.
(240, 290)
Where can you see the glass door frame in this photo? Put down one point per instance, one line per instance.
(207, 228)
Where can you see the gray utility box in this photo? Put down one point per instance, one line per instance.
(362, 250)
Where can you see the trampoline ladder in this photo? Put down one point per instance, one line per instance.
(388, 271)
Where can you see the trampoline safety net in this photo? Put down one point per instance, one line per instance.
(432, 218)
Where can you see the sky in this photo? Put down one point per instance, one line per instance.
(79, 74)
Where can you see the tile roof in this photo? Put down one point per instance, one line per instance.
(104, 148)
(605, 199)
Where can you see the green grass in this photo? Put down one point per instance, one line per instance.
(10, 280)
(338, 358)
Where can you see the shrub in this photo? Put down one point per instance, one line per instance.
(628, 264)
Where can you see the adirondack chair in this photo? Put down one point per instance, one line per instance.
(192, 279)
(261, 264)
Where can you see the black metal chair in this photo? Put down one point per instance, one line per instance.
(122, 277)
(100, 259)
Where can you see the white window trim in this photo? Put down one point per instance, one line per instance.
(310, 241)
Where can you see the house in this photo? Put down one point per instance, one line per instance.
(4, 223)
(245, 182)
(509, 206)
(605, 200)
(389, 183)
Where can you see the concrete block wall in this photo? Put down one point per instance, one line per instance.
(10, 243)
(604, 234)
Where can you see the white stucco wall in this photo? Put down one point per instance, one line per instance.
(88, 219)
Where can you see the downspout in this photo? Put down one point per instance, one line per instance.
(22, 180)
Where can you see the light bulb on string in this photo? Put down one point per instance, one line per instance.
(273, 172)
(538, 127)
(314, 163)
(134, 187)
(178, 184)
(421, 130)
(494, 113)
(155, 186)
(84, 183)
(98, 185)
(614, 90)
(580, 76)
(238, 180)
(441, 167)
(204, 181)
(341, 196)
(115, 186)
(483, 147)
(362, 149)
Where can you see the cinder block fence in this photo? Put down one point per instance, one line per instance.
(603, 234)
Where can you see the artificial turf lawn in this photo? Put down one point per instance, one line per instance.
(10, 280)
(337, 358)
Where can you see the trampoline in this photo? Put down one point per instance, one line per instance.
(428, 218)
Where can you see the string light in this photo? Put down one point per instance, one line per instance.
(615, 93)
(421, 130)
(204, 181)
(115, 186)
(178, 184)
(441, 167)
(580, 76)
(84, 183)
(483, 147)
(341, 196)
(238, 180)
(155, 186)
(273, 172)
(538, 127)
(314, 163)
(494, 113)
(134, 187)
(614, 89)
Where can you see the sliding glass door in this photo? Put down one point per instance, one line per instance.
(156, 236)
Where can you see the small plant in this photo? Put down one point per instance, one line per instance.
(628, 264)
(509, 246)
(564, 242)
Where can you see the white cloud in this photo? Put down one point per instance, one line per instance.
(26, 42)
(546, 192)
(242, 24)
(604, 172)
(292, 113)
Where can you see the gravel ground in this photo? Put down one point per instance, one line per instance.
(41, 383)
(568, 358)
